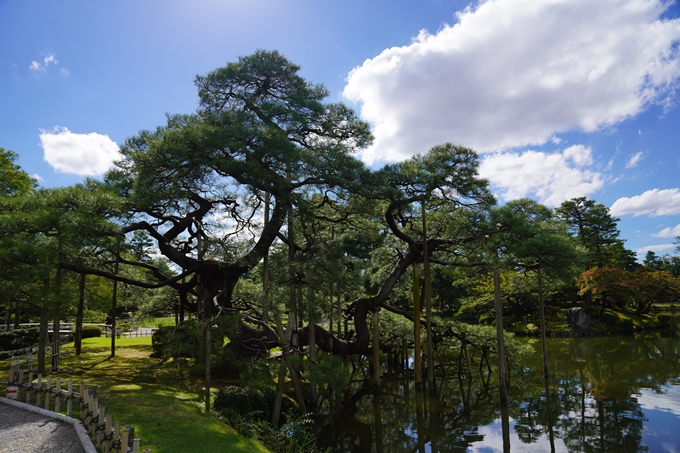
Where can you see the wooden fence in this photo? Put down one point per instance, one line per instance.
(102, 429)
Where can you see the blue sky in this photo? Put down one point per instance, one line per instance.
(561, 98)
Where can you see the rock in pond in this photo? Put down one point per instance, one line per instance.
(577, 318)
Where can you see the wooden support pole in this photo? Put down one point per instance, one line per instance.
(376, 349)
(48, 392)
(500, 340)
(100, 421)
(116, 433)
(69, 401)
(417, 358)
(38, 401)
(428, 306)
(107, 432)
(208, 344)
(125, 440)
(30, 388)
(83, 397)
(57, 399)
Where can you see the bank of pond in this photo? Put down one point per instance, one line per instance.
(606, 394)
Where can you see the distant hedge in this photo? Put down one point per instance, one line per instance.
(91, 332)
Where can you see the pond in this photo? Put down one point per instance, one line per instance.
(609, 394)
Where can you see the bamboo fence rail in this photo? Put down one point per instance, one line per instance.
(102, 429)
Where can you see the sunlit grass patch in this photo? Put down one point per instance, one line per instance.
(161, 322)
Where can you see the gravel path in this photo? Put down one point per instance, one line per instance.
(27, 432)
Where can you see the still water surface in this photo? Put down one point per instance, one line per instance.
(611, 394)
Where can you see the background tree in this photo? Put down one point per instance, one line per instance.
(652, 261)
(13, 180)
(42, 230)
(595, 229)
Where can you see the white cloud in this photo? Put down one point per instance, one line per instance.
(491, 440)
(552, 178)
(634, 160)
(654, 248)
(513, 73)
(667, 401)
(64, 72)
(46, 61)
(49, 59)
(668, 232)
(81, 154)
(37, 177)
(654, 202)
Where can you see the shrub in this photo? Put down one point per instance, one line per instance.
(531, 329)
(91, 332)
(18, 338)
(183, 341)
(125, 326)
(176, 341)
(245, 402)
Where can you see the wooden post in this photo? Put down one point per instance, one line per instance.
(87, 411)
(30, 388)
(94, 407)
(135, 446)
(38, 401)
(83, 397)
(131, 437)
(48, 389)
(57, 399)
(116, 431)
(100, 421)
(125, 440)
(107, 432)
(69, 401)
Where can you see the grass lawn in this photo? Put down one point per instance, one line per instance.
(157, 322)
(168, 417)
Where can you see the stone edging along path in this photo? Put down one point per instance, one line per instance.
(88, 446)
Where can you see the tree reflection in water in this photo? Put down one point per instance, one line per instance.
(594, 403)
